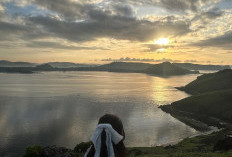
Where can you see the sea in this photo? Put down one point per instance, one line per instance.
(63, 108)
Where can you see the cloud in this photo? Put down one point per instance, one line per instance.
(223, 41)
(119, 27)
(155, 47)
(10, 31)
(205, 17)
(67, 8)
(128, 59)
(174, 5)
(55, 45)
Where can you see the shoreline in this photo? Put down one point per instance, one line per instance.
(199, 122)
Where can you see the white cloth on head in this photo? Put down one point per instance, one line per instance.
(111, 136)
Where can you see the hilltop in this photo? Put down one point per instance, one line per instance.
(213, 108)
(168, 69)
(4, 63)
(210, 82)
(123, 67)
(211, 104)
(191, 66)
(69, 65)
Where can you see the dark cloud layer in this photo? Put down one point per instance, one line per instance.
(68, 9)
(206, 16)
(55, 45)
(224, 41)
(81, 21)
(111, 26)
(173, 5)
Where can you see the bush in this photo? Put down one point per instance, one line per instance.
(82, 147)
(33, 151)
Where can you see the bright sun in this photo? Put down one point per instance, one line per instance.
(162, 41)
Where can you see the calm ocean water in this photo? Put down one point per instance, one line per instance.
(62, 108)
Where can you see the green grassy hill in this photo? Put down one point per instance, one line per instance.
(210, 82)
(200, 146)
(212, 104)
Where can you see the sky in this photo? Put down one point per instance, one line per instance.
(102, 31)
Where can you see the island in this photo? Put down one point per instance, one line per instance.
(191, 66)
(163, 69)
(168, 69)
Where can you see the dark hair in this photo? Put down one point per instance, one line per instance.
(119, 149)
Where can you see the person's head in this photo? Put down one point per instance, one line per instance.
(116, 123)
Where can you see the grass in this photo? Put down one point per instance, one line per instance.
(200, 146)
(215, 104)
(210, 82)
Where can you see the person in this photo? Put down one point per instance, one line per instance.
(108, 138)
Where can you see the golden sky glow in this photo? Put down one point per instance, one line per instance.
(162, 41)
(97, 31)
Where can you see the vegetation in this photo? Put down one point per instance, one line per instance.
(167, 69)
(33, 151)
(191, 66)
(211, 108)
(211, 104)
(210, 82)
(200, 146)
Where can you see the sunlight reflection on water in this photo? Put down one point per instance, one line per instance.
(63, 108)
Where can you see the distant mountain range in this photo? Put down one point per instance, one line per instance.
(163, 69)
(114, 65)
(191, 66)
(4, 63)
(69, 65)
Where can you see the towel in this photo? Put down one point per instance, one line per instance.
(111, 136)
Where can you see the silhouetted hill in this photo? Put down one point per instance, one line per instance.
(124, 67)
(69, 65)
(163, 69)
(23, 70)
(210, 82)
(191, 66)
(168, 69)
(204, 106)
(213, 99)
(44, 67)
(4, 63)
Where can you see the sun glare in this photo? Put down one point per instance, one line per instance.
(162, 41)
